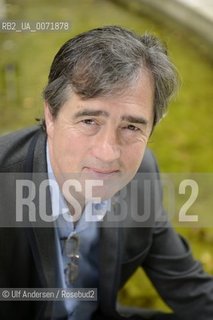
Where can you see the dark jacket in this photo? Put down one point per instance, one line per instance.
(27, 251)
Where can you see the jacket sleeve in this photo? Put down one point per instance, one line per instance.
(177, 276)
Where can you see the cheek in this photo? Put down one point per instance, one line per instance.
(134, 156)
(71, 144)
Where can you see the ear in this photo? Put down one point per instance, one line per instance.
(49, 120)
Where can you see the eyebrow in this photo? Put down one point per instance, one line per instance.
(132, 119)
(90, 113)
(96, 113)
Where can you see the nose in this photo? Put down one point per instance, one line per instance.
(106, 146)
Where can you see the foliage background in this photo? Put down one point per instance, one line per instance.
(182, 142)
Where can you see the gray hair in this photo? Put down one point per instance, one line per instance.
(107, 60)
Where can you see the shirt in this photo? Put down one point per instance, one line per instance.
(88, 232)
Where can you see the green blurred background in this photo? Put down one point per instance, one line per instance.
(183, 140)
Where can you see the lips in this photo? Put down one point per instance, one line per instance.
(100, 172)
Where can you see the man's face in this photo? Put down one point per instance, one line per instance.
(102, 138)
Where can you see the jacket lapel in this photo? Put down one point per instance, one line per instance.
(110, 256)
(41, 234)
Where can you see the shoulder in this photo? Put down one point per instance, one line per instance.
(14, 146)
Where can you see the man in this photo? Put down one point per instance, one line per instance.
(107, 90)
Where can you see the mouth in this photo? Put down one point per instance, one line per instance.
(101, 173)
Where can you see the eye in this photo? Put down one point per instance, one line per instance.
(131, 127)
(88, 121)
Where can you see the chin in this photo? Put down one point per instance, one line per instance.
(105, 191)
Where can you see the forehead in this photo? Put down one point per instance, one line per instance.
(139, 92)
(134, 104)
